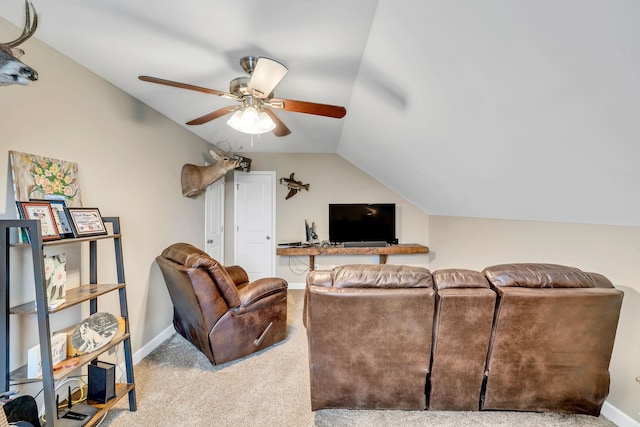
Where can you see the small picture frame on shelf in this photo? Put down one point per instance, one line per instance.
(86, 221)
(55, 277)
(43, 212)
(60, 216)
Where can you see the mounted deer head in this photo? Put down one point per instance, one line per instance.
(12, 70)
(195, 179)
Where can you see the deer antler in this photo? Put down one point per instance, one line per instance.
(29, 26)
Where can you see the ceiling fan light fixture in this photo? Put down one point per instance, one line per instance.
(265, 77)
(250, 120)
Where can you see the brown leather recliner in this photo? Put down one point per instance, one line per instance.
(369, 335)
(461, 331)
(552, 339)
(217, 309)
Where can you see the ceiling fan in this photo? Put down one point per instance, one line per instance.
(255, 94)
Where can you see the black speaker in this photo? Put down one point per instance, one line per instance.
(102, 381)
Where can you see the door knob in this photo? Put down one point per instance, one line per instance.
(209, 241)
(268, 237)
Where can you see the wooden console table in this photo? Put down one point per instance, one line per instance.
(382, 252)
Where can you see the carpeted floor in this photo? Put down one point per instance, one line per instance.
(177, 386)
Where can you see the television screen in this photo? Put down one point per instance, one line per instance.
(361, 222)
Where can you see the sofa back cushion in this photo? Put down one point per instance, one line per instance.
(373, 276)
(536, 275)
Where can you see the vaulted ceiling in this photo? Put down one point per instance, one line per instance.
(497, 109)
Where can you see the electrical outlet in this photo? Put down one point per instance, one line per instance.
(315, 267)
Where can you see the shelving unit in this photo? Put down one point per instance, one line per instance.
(74, 296)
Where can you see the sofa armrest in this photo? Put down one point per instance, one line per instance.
(238, 275)
(260, 292)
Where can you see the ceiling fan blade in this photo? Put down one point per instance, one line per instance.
(187, 86)
(265, 77)
(327, 110)
(213, 115)
(281, 129)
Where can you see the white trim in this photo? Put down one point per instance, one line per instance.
(151, 345)
(617, 417)
(297, 286)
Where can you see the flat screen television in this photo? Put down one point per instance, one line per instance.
(362, 222)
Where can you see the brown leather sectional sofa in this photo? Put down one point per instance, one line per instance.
(527, 337)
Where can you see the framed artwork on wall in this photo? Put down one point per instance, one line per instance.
(37, 177)
(86, 221)
(43, 212)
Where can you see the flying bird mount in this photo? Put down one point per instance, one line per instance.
(256, 93)
(293, 185)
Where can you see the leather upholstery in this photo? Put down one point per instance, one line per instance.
(369, 345)
(217, 309)
(462, 327)
(551, 344)
(529, 337)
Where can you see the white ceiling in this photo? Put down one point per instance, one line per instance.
(499, 109)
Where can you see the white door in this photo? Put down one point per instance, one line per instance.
(254, 208)
(214, 220)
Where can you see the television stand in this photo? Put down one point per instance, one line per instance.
(382, 252)
(364, 244)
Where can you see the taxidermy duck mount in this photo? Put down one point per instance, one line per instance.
(293, 185)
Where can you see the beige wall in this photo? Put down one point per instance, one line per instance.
(332, 180)
(611, 250)
(129, 159)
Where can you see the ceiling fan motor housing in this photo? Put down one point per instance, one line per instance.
(248, 63)
(239, 86)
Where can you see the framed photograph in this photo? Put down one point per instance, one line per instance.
(60, 216)
(43, 212)
(85, 221)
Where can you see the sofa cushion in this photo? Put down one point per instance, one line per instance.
(600, 281)
(533, 275)
(381, 276)
(459, 278)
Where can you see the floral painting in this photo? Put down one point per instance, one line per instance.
(37, 177)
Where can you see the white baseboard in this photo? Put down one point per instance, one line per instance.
(151, 345)
(617, 417)
(297, 285)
